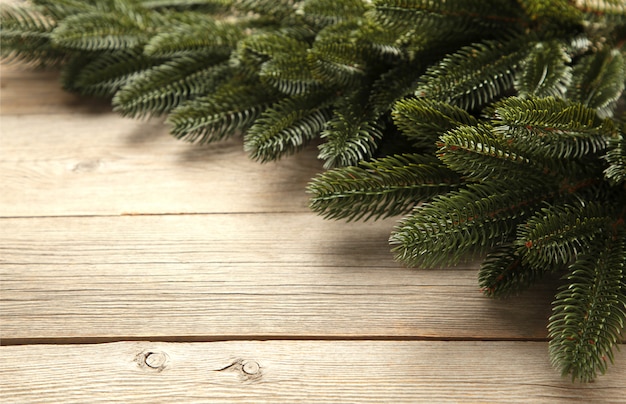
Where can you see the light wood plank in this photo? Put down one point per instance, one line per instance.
(296, 371)
(238, 275)
(25, 90)
(103, 164)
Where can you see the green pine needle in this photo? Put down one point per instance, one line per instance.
(381, 188)
(590, 310)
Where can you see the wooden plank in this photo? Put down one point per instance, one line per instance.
(238, 275)
(104, 164)
(25, 90)
(296, 371)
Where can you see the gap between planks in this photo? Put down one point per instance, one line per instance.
(250, 338)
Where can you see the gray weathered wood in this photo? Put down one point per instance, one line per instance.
(238, 274)
(294, 372)
(104, 164)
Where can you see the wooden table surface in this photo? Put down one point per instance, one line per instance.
(138, 268)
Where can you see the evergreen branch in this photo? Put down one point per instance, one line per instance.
(337, 64)
(477, 153)
(209, 5)
(552, 128)
(267, 45)
(338, 57)
(60, 9)
(471, 220)
(189, 33)
(25, 36)
(234, 106)
(598, 81)
(99, 31)
(474, 75)
(290, 74)
(560, 12)
(103, 74)
(616, 157)
(349, 138)
(329, 12)
(287, 126)
(423, 120)
(590, 310)
(380, 188)
(451, 15)
(503, 273)
(545, 72)
(276, 9)
(557, 234)
(393, 85)
(164, 87)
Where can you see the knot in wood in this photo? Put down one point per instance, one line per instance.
(250, 367)
(153, 360)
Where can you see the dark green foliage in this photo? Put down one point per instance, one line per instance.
(503, 272)
(593, 76)
(385, 187)
(469, 221)
(26, 36)
(103, 74)
(476, 74)
(165, 86)
(546, 71)
(492, 125)
(590, 310)
(287, 126)
(616, 157)
(233, 107)
(423, 120)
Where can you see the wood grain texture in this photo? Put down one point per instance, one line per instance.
(103, 164)
(26, 91)
(294, 372)
(247, 275)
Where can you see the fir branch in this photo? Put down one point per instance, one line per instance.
(290, 74)
(25, 36)
(100, 31)
(103, 74)
(556, 235)
(469, 221)
(545, 72)
(60, 9)
(503, 273)
(423, 120)
(450, 16)
(349, 138)
(477, 153)
(205, 5)
(552, 128)
(393, 85)
(381, 188)
(276, 9)
(188, 33)
(475, 75)
(616, 157)
(560, 12)
(598, 81)
(287, 126)
(164, 87)
(338, 56)
(590, 310)
(234, 106)
(329, 12)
